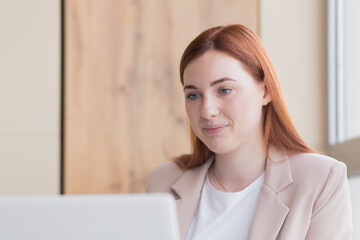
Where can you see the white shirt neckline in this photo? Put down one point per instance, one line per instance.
(225, 215)
(245, 191)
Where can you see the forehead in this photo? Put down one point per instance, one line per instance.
(213, 65)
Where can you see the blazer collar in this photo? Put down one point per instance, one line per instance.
(270, 212)
(277, 174)
(192, 180)
(188, 187)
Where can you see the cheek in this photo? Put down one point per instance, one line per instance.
(246, 109)
(191, 111)
(193, 116)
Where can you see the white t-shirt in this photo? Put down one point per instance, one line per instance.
(224, 215)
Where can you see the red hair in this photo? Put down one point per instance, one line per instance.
(243, 44)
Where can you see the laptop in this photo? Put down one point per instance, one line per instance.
(90, 217)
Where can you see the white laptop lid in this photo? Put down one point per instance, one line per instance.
(105, 217)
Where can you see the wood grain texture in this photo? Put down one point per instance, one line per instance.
(124, 106)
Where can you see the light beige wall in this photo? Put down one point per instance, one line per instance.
(29, 96)
(294, 33)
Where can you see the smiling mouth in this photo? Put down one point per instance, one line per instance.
(212, 130)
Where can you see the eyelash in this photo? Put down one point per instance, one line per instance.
(221, 91)
(195, 96)
(191, 96)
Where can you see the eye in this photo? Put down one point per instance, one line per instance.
(192, 96)
(224, 91)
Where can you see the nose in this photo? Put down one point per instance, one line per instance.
(209, 108)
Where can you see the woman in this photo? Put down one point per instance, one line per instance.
(250, 175)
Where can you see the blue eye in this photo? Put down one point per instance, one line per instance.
(192, 96)
(224, 91)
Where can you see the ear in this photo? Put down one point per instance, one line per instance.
(266, 96)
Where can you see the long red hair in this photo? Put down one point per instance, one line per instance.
(241, 43)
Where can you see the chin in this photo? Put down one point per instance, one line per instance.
(219, 148)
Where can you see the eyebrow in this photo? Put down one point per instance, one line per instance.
(211, 84)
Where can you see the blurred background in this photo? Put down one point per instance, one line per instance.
(91, 100)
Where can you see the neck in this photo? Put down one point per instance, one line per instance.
(235, 171)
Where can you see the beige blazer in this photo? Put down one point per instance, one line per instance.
(304, 196)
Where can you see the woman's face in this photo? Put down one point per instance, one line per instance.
(224, 102)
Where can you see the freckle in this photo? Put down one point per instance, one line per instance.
(122, 89)
(179, 120)
(116, 186)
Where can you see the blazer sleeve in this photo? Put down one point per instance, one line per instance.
(332, 218)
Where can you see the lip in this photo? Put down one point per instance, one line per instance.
(215, 129)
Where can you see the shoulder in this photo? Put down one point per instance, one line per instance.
(315, 165)
(320, 189)
(163, 176)
(317, 173)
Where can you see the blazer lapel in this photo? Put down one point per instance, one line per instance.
(271, 212)
(188, 187)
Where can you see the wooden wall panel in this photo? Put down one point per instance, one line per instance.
(124, 106)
